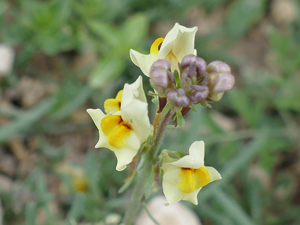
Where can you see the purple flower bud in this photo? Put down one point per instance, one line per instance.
(224, 83)
(200, 93)
(178, 98)
(162, 64)
(183, 101)
(218, 67)
(199, 87)
(160, 73)
(181, 92)
(159, 77)
(193, 65)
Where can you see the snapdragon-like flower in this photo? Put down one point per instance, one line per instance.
(178, 43)
(183, 178)
(125, 130)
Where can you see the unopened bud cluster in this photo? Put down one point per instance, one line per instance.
(195, 83)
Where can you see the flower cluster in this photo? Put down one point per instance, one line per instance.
(180, 79)
(126, 125)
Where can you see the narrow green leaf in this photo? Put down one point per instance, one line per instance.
(77, 207)
(180, 119)
(106, 70)
(166, 109)
(206, 211)
(26, 119)
(149, 214)
(127, 184)
(232, 208)
(31, 212)
(149, 184)
(234, 165)
(73, 104)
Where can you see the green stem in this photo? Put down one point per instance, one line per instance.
(144, 173)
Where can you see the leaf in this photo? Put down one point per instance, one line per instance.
(149, 184)
(243, 14)
(135, 29)
(26, 119)
(127, 184)
(107, 32)
(73, 104)
(31, 211)
(180, 119)
(232, 208)
(166, 109)
(235, 164)
(77, 207)
(106, 70)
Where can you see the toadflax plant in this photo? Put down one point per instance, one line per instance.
(180, 80)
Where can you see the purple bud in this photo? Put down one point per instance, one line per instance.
(200, 93)
(193, 65)
(159, 77)
(162, 64)
(224, 83)
(178, 98)
(219, 67)
(181, 92)
(199, 87)
(160, 73)
(183, 101)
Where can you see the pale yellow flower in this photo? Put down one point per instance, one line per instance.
(124, 131)
(178, 43)
(183, 178)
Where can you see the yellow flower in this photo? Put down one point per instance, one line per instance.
(178, 43)
(125, 130)
(185, 177)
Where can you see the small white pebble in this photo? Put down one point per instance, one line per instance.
(6, 59)
(175, 214)
(283, 11)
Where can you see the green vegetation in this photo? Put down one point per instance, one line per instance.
(72, 55)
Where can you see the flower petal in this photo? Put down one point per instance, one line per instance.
(197, 149)
(134, 109)
(97, 115)
(143, 61)
(171, 192)
(182, 39)
(124, 157)
(192, 197)
(189, 162)
(178, 43)
(213, 173)
(171, 174)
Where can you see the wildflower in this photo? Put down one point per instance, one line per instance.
(124, 131)
(184, 177)
(77, 176)
(178, 43)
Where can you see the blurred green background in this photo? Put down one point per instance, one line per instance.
(71, 55)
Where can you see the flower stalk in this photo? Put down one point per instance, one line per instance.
(144, 173)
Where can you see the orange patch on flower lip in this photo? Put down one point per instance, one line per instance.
(155, 47)
(116, 130)
(113, 105)
(191, 179)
